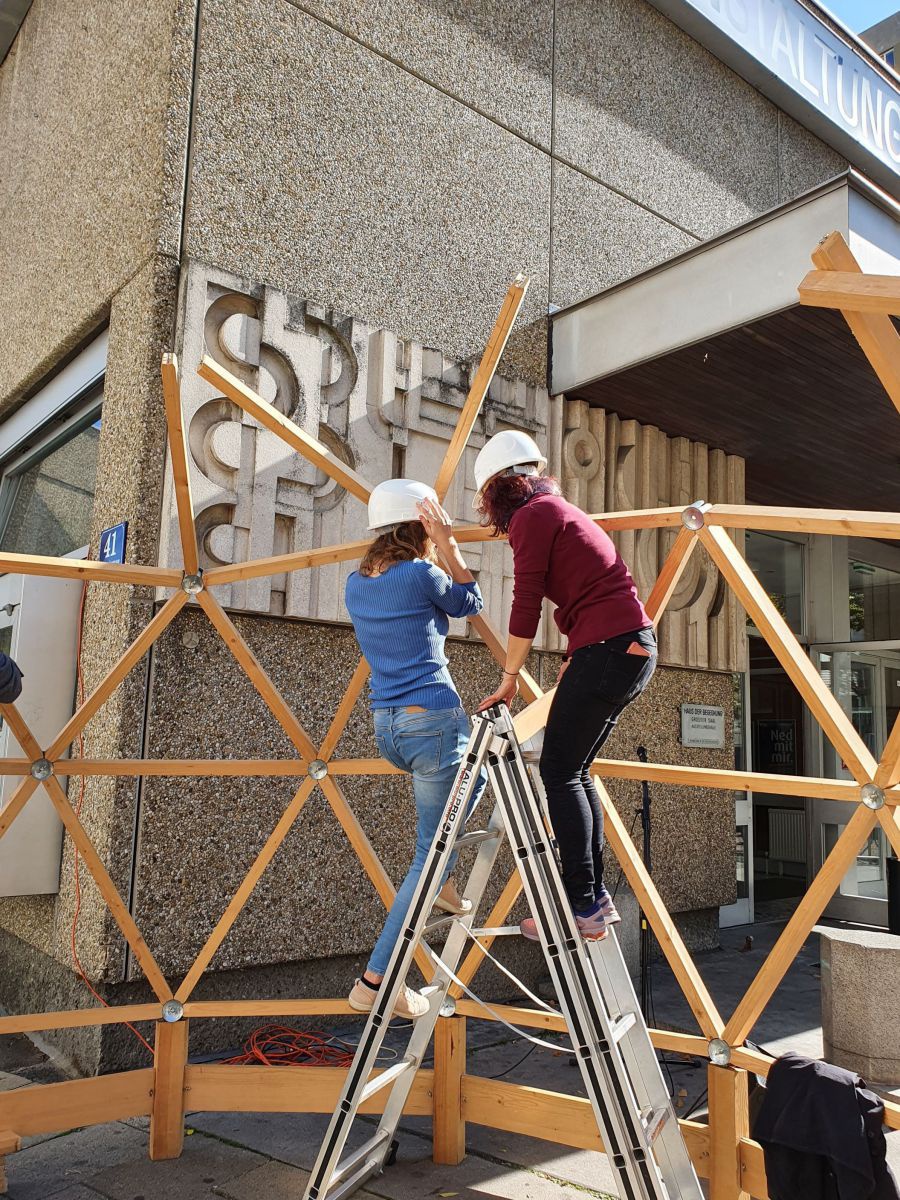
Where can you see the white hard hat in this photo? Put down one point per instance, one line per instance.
(395, 500)
(511, 448)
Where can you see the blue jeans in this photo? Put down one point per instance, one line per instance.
(429, 746)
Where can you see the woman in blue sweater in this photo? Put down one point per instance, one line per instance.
(399, 601)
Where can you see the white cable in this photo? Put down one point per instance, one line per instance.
(509, 975)
(520, 1033)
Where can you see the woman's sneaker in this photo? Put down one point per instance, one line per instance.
(410, 1005)
(608, 908)
(449, 901)
(593, 929)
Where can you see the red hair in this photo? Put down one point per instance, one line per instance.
(506, 493)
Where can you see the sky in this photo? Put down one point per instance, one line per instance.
(861, 14)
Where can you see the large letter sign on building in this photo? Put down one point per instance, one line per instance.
(810, 67)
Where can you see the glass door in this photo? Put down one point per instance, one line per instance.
(866, 681)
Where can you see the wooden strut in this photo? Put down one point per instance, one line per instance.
(723, 1152)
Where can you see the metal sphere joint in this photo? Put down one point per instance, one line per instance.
(317, 769)
(172, 1011)
(719, 1052)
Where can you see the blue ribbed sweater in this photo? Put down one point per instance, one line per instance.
(400, 620)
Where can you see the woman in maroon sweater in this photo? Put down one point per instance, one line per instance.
(560, 553)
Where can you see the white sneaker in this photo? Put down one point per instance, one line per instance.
(410, 1005)
(449, 901)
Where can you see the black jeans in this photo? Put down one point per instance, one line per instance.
(599, 682)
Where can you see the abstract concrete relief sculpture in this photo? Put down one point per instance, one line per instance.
(384, 405)
(611, 465)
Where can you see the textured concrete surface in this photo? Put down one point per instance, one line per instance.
(859, 1000)
(80, 193)
(495, 56)
(362, 164)
(646, 109)
(600, 238)
(803, 159)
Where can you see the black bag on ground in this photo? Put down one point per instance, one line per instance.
(822, 1134)
(10, 680)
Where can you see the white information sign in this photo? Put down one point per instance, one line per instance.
(703, 725)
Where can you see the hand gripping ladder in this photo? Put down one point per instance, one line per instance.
(618, 1064)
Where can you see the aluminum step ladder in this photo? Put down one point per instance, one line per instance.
(612, 1047)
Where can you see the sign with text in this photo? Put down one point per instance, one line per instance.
(775, 746)
(808, 66)
(703, 725)
(112, 543)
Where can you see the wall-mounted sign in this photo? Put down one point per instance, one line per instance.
(703, 725)
(810, 68)
(112, 543)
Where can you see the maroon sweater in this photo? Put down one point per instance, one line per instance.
(560, 553)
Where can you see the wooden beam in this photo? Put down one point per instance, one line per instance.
(205, 1009)
(797, 930)
(528, 686)
(533, 718)
(835, 723)
(362, 766)
(240, 897)
(742, 781)
(275, 702)
(888, 773)
(753, 1169)
(135, 652)
(345, 710)
(279, 564)
(670, 576)
(107, 889)
(79, 1018)
(854, 291)
(167, 1112)
(843, 522)
(670, 941)
(298, 439)
(14, 766)
(17, 801)
(729, 1123)
(215, 1087)
(481, 381)
(449, 1127)
(57, 1107)
(191, 767)
(178, 451)
(875, 333)
(88, 570)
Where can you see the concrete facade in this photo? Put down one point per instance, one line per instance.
(338, 155)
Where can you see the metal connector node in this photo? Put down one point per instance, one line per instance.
(192, 584)
(41, 769)
(872, 796)
(172, 1011)
(317, 769)
(448, 1008)
(693, 516)
(719, 1052)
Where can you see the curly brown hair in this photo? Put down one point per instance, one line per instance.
(403, 543)
(505, 494)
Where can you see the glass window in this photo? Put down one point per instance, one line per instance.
(778, 565)
(874, 603)
(48, 497)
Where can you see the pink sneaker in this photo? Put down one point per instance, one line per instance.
(593, 929)
(608, 908)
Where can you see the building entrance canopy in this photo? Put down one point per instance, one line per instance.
(714, 346)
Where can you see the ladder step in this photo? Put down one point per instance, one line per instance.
(354, 1164)
(386, 1078)
(497, 931)
(654, 1120)
(476, 837)
(623, 1025)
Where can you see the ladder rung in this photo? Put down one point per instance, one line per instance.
(385, 1079)
(355, 1160)
(476, 837)
(623, 1025)
(654, 1121)
(496, 931)
(531, 756)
